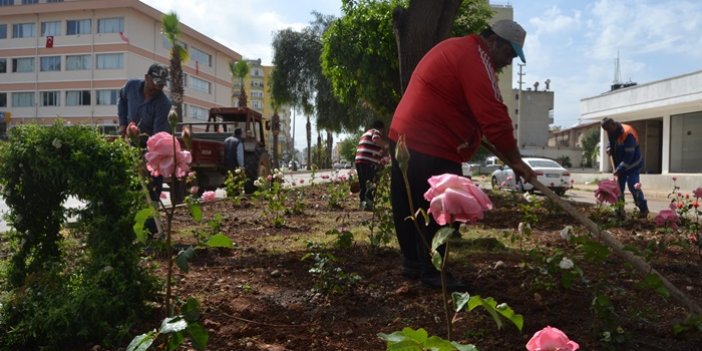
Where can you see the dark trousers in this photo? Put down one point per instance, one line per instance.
(421, 167)
(367, 173)
(630, 180)
(155, 188)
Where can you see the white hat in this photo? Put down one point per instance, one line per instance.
(512, 32)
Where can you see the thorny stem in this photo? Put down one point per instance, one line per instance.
(444, 291)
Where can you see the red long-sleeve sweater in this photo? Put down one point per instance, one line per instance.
(451, 101)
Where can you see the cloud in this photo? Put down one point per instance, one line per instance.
(245, 26)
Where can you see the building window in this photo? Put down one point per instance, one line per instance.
(77, 62)
(7, 2)
(50, 98)
(3, 31)
(50, 63)
(24, 99)
(78, 98)
(23, 30)
(196, 112)
(257, 94)
(256, 83)
(257, 105)
(76, 27)
(28, 2)
(50, 28)
(23, 65)
(110, 25)
(106, 97)
(109, 61)
(50, 1)
(199, 84)
(3, 65)
(3, 99)
(167, 44)
(200, 56)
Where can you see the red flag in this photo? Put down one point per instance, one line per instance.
(123, 37)
(49, 41)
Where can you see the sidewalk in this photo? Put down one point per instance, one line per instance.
(654, 186)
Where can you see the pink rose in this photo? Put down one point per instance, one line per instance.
(208, 196)
(675, 178)
(667, 217)
(159, 156)
(194, 189)
(132, 130)
(452, 197)
(551, 339)
(637, 186)
(607, 191)
(697, 192)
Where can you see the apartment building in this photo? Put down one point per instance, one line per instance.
(68, 59)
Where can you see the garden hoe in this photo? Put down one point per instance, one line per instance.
(607, 238)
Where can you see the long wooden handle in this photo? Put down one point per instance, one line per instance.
(607, 238)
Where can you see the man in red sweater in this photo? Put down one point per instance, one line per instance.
(451, 102)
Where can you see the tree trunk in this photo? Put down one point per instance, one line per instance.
(418, 28)
(177, 90)
(309, 143)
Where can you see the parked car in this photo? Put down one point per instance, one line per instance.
(548, 172)
(469, 168)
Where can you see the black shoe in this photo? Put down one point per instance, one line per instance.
(433, 280)
(643, 214)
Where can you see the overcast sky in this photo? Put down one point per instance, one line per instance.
(573, 43)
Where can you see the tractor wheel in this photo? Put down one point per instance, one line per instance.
(257, 164)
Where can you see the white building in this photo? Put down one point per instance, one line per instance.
(667, 115)
(68, 59)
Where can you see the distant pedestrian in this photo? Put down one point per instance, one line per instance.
(370, 151)
(627, 161)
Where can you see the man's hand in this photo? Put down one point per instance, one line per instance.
(521, 169)
(609, 151)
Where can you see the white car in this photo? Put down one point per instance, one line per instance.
(548, 172)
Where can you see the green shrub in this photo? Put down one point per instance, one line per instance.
(62, 293)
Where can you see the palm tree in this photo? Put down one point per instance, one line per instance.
(178, 55)
(240, 69)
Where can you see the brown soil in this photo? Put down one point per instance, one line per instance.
(261, 296)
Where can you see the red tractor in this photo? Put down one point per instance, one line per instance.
(207, 147)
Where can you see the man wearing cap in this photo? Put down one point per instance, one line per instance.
(627, 161)
(143, 102)
(451, 102)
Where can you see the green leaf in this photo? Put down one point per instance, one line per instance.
(195, 210)
(139, 220)
(441, 237)
(461, 347)
(191, 310)
(198, 335)
(175, 340)
(459, 300)
(219, 240)
(142, 342)
(436, 260)
(653, 282)
(490, 305)
(183, 257)
(438, 344)
(405, 345)
(173, 324)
